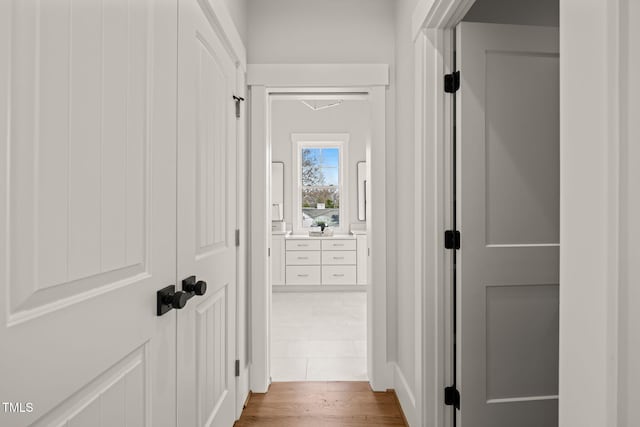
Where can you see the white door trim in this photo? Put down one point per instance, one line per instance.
(432, 25)
(221, 19)
(242, 253)
(431, 192)
(327, 78)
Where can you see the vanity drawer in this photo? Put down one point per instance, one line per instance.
(303, 275)
(303, 245)
(339, 245)
(303, 257)
(338, 257)
(338, 275)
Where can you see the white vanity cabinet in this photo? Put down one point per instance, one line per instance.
(323, 261)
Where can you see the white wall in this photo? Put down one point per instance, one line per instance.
(335, 31)
(600, 229)
(352, 117)
(405, 207)
(629, 366)
(584, 221)
(327, 31)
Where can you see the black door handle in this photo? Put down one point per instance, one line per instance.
(168, 298)
(193, 287)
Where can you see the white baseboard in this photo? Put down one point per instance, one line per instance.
(405, 396)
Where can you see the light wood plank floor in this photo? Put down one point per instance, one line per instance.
(321, 404)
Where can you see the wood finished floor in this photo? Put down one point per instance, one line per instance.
(321, 404)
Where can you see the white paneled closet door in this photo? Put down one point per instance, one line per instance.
(206, 221)
(87, 212)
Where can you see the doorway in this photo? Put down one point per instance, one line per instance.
(494, 125)
(319, 248)
(364, 84)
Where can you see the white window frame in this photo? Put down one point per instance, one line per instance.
(319, 140)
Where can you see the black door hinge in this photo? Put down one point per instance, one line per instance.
(238, 237)
(452, 397)
(238, 100)
(237, 368)
(452, 239)
(452, 82)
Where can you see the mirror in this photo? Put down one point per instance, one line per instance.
(362, 191)
(277, 191)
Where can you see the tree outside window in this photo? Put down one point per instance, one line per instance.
(321, 182)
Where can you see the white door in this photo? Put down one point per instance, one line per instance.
(87, 207)
(508, 216)
(206, 221)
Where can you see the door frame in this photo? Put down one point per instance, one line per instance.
(263, 80)
(591, 141)
(433, 23)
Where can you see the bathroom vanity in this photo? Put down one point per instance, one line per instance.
(319, 261)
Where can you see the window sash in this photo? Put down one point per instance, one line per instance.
(321, 141)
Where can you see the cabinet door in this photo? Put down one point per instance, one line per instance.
(206, 221)
(87, 207)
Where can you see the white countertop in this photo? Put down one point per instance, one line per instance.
(307, 237)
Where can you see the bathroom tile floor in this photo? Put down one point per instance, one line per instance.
(319, 336)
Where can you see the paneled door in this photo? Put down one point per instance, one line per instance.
(87, 212)
(508, 216)
(206, 221)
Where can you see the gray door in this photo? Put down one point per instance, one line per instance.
(508, 214)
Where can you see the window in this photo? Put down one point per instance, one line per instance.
(320, 190)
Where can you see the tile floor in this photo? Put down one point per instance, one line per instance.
(319, 336)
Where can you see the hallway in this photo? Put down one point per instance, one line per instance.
(299, 213)
(321, 404)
